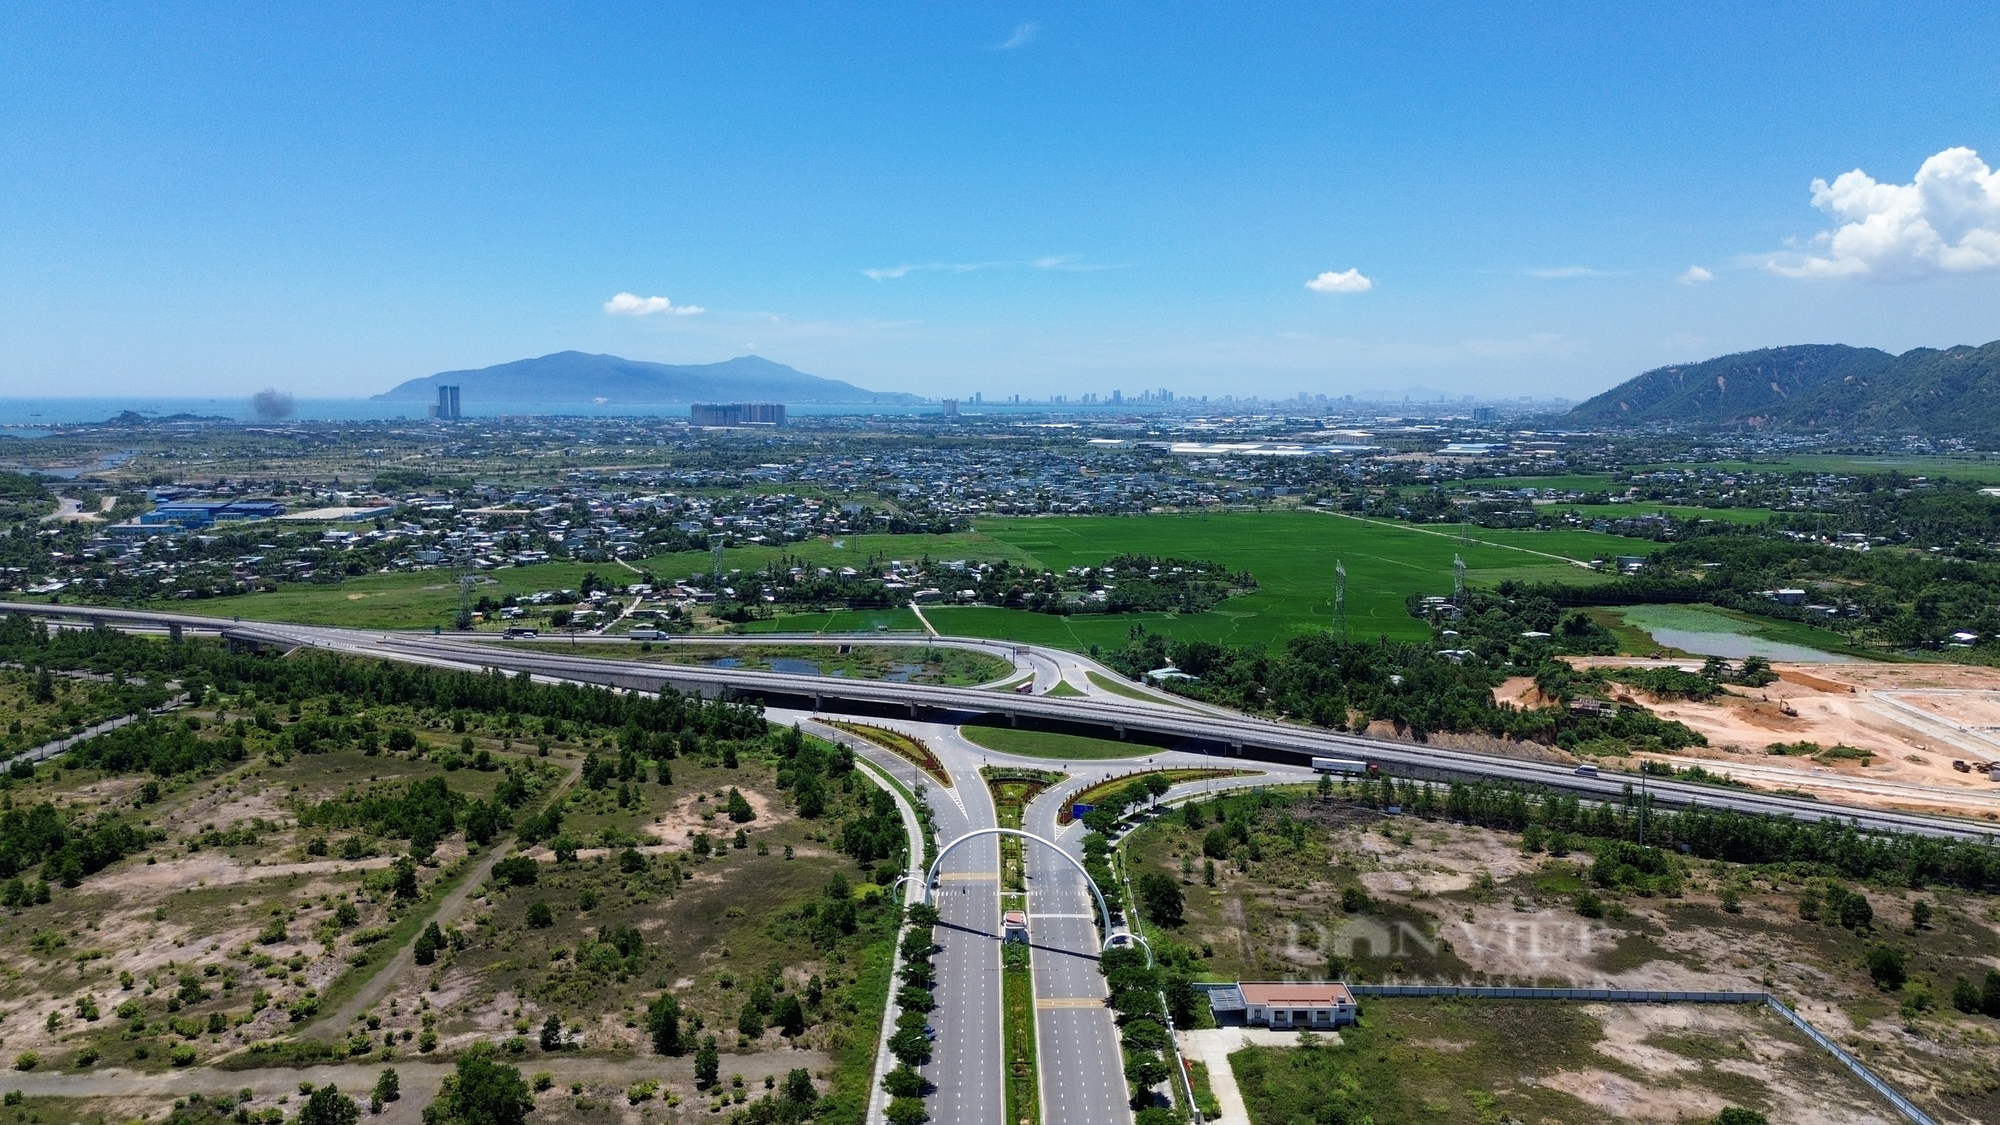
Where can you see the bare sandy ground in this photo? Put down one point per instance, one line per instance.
(1668, 1097)
(1916, 719)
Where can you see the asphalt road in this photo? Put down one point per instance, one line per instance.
(1082, 1069)
(1240, 735)
(968, 1057)
(1081, 1066)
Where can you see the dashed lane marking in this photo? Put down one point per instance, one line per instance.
(1068, 1002)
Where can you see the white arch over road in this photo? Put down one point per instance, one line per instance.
(1103, 910)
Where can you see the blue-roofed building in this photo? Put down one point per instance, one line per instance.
(189, 514)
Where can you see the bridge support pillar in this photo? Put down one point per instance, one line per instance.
(818, 704)
(913, 710)
(1013, 720)
(1121, 733)
(1236, 749)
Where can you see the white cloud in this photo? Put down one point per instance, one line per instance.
(1557, 272)
(1023, 35)
(1946, 221)
(1695, 275)
(907, 268)
(1346, 281)
(631, 304)
(1069, 263)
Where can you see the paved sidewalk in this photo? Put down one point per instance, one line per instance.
(1213, 1047)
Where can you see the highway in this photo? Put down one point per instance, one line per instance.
(968, 1058)
(1228, 734)
(1081, 1066)
(967, 1064)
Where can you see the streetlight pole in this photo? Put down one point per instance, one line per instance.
(1643, 793)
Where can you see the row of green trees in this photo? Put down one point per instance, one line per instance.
(1562, 821)
(199, 665)
(1344, 685)
(915, 998)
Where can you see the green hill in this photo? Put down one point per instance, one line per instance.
(1815, 388)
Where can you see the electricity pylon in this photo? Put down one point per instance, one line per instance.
(1340, 598)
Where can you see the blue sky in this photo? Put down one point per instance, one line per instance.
(1007, 198)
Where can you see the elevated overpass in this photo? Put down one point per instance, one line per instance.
(1227, 734)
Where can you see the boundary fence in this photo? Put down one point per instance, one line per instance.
(1648, 996)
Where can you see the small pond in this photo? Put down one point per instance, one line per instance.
(1706, 632)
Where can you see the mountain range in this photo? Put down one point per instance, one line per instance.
(1817, 388)
(579, 377)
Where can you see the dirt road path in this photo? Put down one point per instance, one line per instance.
(419, 1078)
(448, 909)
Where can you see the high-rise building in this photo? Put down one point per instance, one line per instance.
(736, 414)
(951, 408)
(446, 409)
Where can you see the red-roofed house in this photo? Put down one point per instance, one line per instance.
(1307, 1004)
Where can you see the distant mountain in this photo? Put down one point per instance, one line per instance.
(1816, 388)
(578, 377)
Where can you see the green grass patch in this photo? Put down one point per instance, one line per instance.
(1017, 1030)
(897, 619)
(393, 601)
(1957, 468)
(912, 663)
(1290, 553)
(1117, 686)
(1575, 482)
(854, 1061)
(1035, 743)
(1677, 511)
(1429, 1060)
(1103, 789)
(1012, 789)
(1204, 1091)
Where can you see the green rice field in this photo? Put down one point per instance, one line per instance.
(1957, 468)
(1291, 553)
(1292, 556)
(1678, 511)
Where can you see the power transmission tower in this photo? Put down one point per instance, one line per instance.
(1458, 581)
(1340, 598)
(715, 562)
(466, 579)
